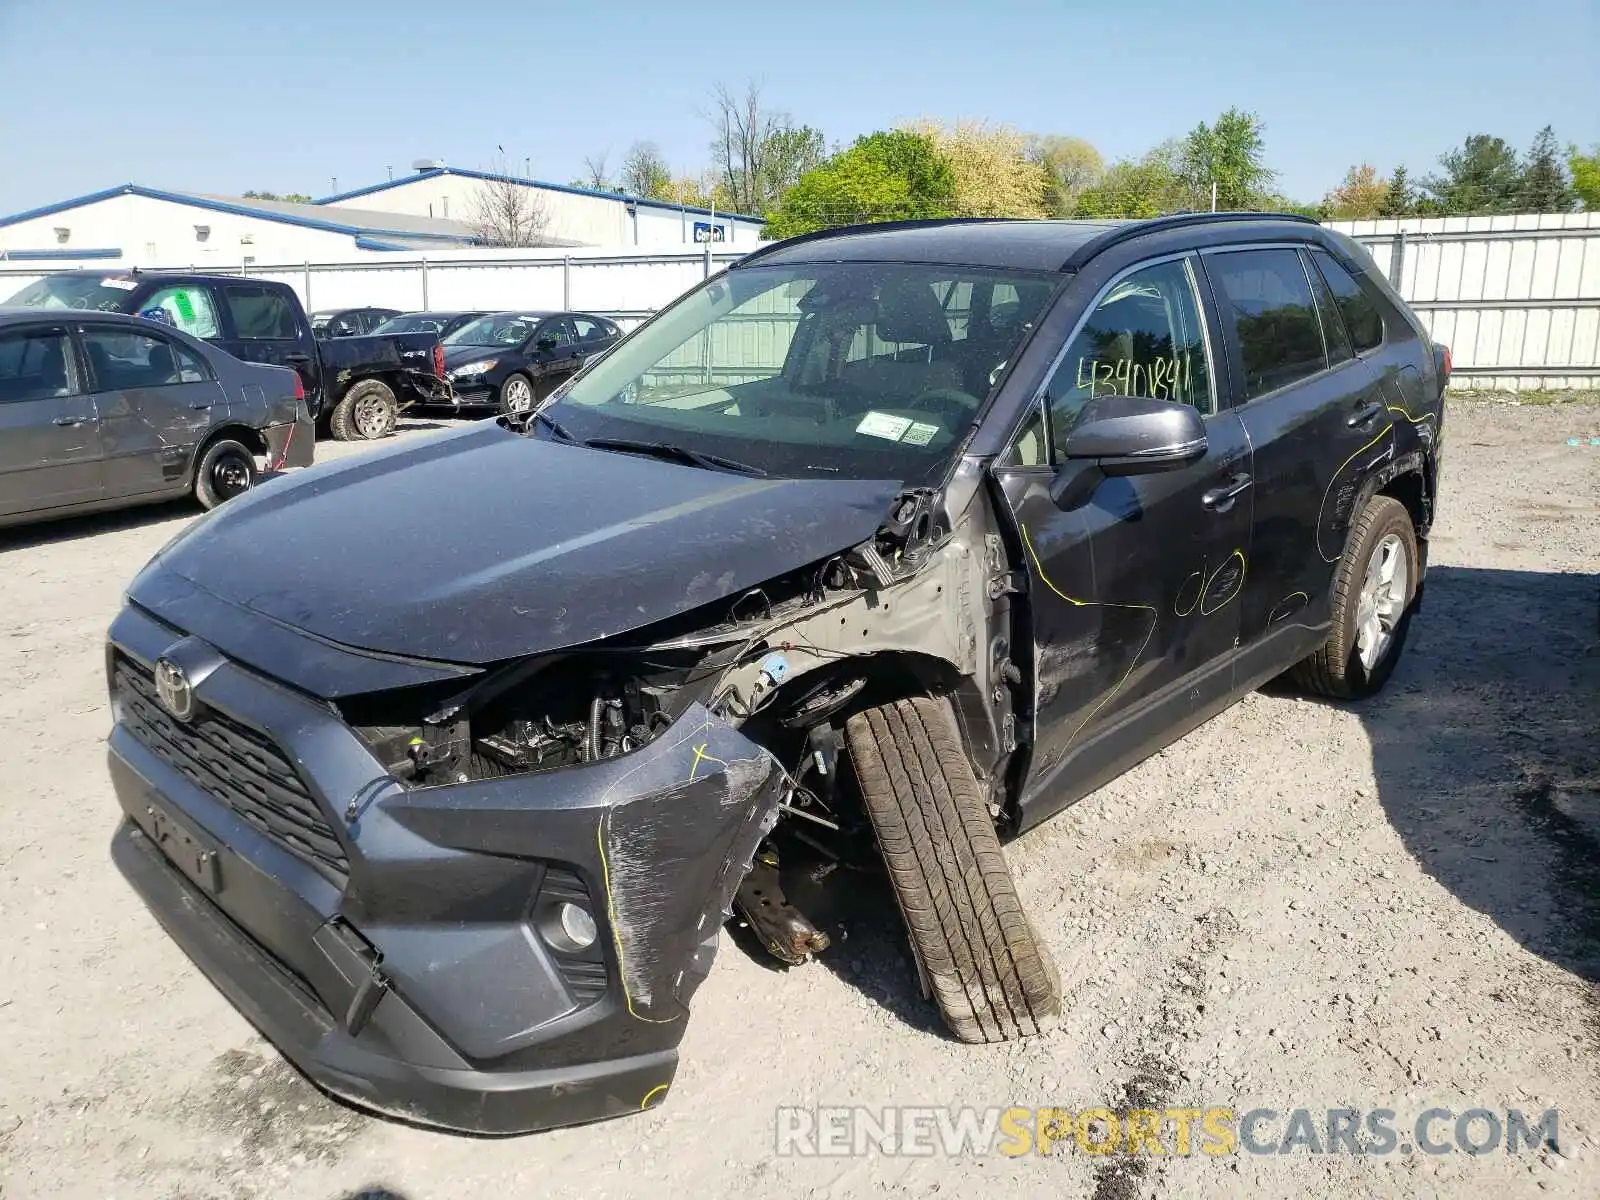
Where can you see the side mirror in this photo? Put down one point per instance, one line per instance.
(1133, 435)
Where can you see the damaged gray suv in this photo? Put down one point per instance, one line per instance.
(872, 552)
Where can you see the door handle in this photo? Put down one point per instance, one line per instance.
(201, 404)
(1220, 499)
(1364, 415)
(67, 421)
(297, 359)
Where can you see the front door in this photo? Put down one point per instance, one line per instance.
(49, 435)
(1133, 580)
(155, 399)
(1317, 423)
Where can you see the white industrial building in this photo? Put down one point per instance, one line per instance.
(138, 226)
(574, 215)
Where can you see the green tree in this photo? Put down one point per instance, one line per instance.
(1399, 200)
(1071, 166)
(890, 176)
(286, 197)
(1482, 177)
(1144, 187)
(1585, 170)
(1360, 196)
(1230, 153)
(995, 176)
(760, 153)
(1545, 185)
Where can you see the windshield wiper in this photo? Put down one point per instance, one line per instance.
(554, 426)
(695, 458)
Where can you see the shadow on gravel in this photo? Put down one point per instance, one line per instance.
(1486, 749)
(71, 529)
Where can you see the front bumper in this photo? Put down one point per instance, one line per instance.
(474, 391)
(407, 970)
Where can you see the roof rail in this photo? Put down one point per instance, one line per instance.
(851, 230)
(1132, 229)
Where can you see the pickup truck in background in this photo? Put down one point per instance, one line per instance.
(355, 386)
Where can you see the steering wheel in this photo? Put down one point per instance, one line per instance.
(954, 407)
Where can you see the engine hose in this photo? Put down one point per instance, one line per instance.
(591, 744)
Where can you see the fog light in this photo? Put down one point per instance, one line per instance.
(577, 924)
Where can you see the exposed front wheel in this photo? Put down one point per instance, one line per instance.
(977, 952)
(227, 469)
(366, 413)
(1373, 587)
(516, 395)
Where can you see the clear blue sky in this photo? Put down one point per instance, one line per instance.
(285, 95)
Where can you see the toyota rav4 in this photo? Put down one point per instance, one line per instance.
(868, 554)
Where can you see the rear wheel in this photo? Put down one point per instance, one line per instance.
(227, 469)
(977, 952)
(516, 395)
(366, 412)
(1373, 588)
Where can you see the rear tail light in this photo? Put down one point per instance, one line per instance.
(299, 387)
(1447, 364)
(438, 359)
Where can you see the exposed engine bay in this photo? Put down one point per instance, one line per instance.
(786, 663)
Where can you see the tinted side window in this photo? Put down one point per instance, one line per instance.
(1334, 337)
(1267, 297)
(34, 366)
(1144, 338)
(187, 308)
(1361, 314)
(587, 329)
(259, 313)
(122, 359)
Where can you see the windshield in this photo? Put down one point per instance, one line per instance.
(107, 293)
(414, 323)
(833, 370)
(498, 329)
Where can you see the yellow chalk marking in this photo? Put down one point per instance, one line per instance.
(648, 1096)
(700, 756)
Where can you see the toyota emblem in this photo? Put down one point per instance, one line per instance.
(173, 690)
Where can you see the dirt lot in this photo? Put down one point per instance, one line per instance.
(1300, 905)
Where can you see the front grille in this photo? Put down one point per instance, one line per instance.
(234, 763)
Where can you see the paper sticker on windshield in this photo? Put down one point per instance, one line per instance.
(122, 285)
(882, 425)
(919, 434)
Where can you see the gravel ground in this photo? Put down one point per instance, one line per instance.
(1395, 905)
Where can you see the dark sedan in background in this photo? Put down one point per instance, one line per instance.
(100, 410)
(349, 322)
(511, 360)
(441, 323)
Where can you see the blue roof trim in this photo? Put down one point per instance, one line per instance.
(366, 243)
(55, 255)
(435, 172)
(238, 210)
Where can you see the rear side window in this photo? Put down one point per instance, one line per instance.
(121, 359)
(1266, 296)
(588, 329)
(259, 313)
(187, 308)
(1360, 312)
(34, 366)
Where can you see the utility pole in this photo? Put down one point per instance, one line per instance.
(1213, 195)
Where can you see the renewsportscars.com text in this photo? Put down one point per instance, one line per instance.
(932, 1131)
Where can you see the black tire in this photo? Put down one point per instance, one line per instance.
(365, 413)
(1336, 670)
(978, 954)
(516, 385)
(226, 469)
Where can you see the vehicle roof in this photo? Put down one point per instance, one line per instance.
(20, 316)
(158, 275)
(1006, 244)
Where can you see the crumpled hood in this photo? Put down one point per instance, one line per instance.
(482, 545)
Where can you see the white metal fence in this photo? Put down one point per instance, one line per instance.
(1517, 299)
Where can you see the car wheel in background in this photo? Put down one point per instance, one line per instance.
(516, 395)
(227, 469)
(366, 413)
(977, 952)
(1373, 589)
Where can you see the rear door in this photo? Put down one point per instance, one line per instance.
(555, 351)
(49, 433)
(263, 323)
(1317, 423)
(156, 399)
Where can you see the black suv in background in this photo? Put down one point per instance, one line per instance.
(355, 385)
(884, 545)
